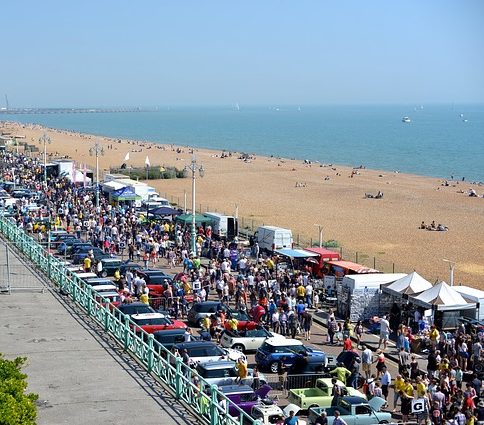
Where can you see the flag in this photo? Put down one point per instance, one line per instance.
(147, 161)
(126, 158)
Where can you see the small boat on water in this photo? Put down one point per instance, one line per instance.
(406, 119)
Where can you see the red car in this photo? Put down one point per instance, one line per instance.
(152, 322)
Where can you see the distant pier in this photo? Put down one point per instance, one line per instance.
(16, 111)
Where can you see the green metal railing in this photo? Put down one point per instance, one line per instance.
(158, 361)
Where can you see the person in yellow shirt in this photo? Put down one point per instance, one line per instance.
(242, 369)
(408, 389)
(399, 385)
(421, 387)
(87, 264)
(233, 323)
(205, 323)
(144, 298)
(301, 292)
(434, 336)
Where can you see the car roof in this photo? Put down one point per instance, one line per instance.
(355, 400)
(223, 364)
(148, 316)
(196, 344)
(235, 389)
(278, 342)
(111, 260)
(170, 332)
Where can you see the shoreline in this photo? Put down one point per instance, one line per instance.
(111, 139)
(293, 194)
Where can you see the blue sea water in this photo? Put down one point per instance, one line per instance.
(438, 142)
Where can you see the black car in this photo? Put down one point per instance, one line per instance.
(170, 337)
(128, 265)
(135, 308)
(155, 278)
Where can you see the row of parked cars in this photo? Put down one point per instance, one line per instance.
(216, 363)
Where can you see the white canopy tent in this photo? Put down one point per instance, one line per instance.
(112, 186)
(411, 284)
(443, 298)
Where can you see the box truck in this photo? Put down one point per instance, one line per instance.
(223, 226)
(271, 238)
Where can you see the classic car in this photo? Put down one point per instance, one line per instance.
(224, 373)
(354, 411)
(246, 340)
(243, 397)
(320, 395)
(292, 350)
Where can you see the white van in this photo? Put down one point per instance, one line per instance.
(271, 238)
(223, 226)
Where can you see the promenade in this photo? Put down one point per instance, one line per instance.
(79, 373)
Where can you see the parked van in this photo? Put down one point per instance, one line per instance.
(271, 238)
(223, 226)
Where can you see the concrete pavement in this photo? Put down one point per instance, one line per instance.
(80, 374)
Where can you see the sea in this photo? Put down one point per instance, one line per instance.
(443, 141)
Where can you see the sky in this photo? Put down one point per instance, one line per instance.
(252, 52)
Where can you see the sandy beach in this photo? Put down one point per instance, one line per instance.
(292, 194)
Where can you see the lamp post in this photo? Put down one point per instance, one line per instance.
(97, 150)
(45, 139)
(193, 167)
(320, 228)
(451, 270)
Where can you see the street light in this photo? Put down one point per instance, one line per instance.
(451, 270)
(320, 228)
(45, 139)
(97, 150)
(193, 167)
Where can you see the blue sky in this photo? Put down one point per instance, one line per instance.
(149, 53)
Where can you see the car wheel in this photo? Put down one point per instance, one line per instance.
(199, 323)
(383, 422)
(104, 273)
(312, 405)
(238, 347)
(273, 367)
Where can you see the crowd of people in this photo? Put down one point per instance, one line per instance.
(450, 388)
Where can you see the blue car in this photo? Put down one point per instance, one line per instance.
(274, 349)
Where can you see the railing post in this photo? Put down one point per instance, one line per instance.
(178, 377)
(89, 301)
(151, 352)
(126, 333)
(107, 316)
(213, 405)
(49, 265)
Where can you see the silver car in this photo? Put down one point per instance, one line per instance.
(225, 373)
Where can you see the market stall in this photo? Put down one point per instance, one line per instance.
(446, 303)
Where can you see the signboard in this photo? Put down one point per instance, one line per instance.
(418, 405)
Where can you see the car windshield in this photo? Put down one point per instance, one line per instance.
(217, 373)
(153, 321)
(267, 347)
(275, 419)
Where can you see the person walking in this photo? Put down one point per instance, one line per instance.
(366, 361)
(307, 323)
(332, 329)
(384, 332)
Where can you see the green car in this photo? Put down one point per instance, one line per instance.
(320, 395)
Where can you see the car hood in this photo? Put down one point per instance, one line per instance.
(376, 403)
(295, 408)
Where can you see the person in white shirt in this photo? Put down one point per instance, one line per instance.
(384, 332)
(386, 380)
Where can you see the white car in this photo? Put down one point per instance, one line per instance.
(247, 340)
(273, 414)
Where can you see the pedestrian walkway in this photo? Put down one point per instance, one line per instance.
(79, 373)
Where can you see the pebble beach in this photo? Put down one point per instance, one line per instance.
(300, 195)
